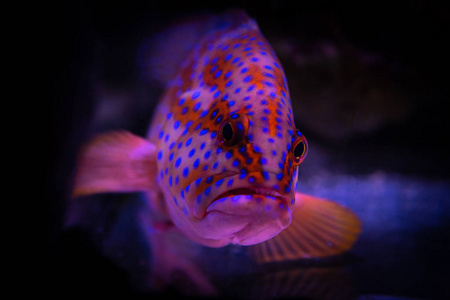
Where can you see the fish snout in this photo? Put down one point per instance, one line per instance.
(242, 209)
(261, 216)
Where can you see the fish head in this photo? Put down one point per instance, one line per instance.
(229, 166)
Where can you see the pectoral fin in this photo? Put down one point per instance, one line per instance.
(115, 162)
(319, 228)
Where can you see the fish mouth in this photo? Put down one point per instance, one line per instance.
(248, 215)
(238, 211)
(247, 200)
(230, 185)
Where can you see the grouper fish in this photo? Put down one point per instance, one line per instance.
(221, 157)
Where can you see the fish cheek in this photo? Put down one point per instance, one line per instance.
(294, 185)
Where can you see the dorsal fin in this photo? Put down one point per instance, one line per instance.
(161, 56)
(319, 228)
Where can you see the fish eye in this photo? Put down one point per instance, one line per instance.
(233, 130)
(227, 132)
(299, 149)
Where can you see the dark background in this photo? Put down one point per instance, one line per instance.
(94, 48)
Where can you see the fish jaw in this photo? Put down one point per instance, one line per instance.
(264, 216)
(242, 214)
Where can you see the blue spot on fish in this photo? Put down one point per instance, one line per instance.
(228, 155)
(207, 190)
(178, 162)
(207, 154)
(196, 163)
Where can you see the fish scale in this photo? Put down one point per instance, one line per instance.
(223, 151)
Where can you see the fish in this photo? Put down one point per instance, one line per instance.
(221, 157)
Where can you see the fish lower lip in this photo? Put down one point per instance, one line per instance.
(253, 192)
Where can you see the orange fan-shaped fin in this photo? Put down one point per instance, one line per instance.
(115, 162)
(319, 228)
